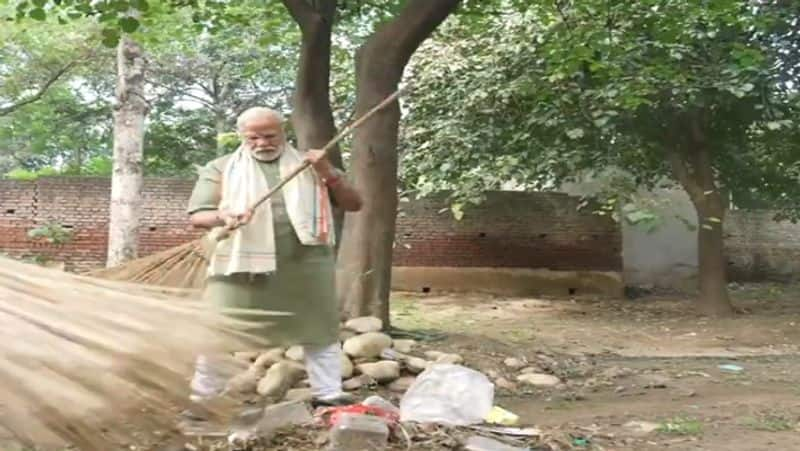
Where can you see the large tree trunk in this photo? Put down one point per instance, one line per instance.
(126, 180)
(693, 169)
(713, 284)
(365, 258)
(312, 116)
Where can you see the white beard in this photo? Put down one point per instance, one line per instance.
(268, 155)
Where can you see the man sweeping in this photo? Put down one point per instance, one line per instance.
(281, 257)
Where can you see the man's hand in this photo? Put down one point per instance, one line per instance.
(319, 161)
(232, 220)
(343, 192)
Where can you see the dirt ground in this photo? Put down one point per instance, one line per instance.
(637, 374)
(630, 364)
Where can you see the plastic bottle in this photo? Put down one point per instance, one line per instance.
(356, 432)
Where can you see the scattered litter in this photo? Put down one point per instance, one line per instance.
(356, 432)
(478, 443)
(514, 432)
(262, 423)
(498, 415)
(731, 368)
(580, 441)
(334, 414)
(377, 401)
(448, 394)
(698, 373)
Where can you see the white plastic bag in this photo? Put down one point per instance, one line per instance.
(448, 394)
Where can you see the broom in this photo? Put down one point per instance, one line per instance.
(101, 365)
(184, 266)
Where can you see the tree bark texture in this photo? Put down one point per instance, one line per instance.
(365, 258)
(126, 181)
(312, 115)
(693, 168)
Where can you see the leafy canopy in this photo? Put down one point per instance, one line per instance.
(531, 100)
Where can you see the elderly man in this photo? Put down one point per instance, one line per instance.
(281, 258)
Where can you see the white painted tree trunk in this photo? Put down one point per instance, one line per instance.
(126, 181)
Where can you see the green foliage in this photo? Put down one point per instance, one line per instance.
(29, 175)
(52, 232)
(197, 83)
(681, 425)
(770, 422)
(564, 90)
(112, 15)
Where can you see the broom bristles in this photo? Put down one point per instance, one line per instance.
(94, 362)
(182, 266)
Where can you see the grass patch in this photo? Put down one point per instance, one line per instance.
(681, 425)
(769, 423)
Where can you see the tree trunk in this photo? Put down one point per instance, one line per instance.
(126, 180)
(220, 127)
(365, 258)
(713, 297)
(312, 116)
(78, 160)
(694, 171)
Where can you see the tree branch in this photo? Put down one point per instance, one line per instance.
(41, 91)
(301, 12)
(681, 172)
(401, 37)
(311, 116)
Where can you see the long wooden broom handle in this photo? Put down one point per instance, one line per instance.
(345, 131)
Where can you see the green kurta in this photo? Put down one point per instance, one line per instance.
(303, 283)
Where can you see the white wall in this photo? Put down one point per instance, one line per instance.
(667, 256)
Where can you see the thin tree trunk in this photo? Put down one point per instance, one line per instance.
(220, 127)
(78, 160)
(694, 171)
(126, 181)
(312, 116)
(365, 258)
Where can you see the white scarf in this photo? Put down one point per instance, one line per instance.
(251, 248)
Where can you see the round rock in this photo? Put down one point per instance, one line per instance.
(416, 365)
(382, 372)
(354, 383)
(404, 346)
(513, 363)
(433, 355)
(347, 367)
(364, 324)
(269, 358)
(539, 379)
(279, 378)
(245, 382)
(453, 359)
(368, 345)
(295, 353)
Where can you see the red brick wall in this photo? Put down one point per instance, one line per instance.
(81, 204)
(524, 230)
(511, 230)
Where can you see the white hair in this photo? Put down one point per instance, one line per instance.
(256, 112)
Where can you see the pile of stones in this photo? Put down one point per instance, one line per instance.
(370, 358)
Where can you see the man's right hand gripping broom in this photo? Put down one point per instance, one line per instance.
(229, 222)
